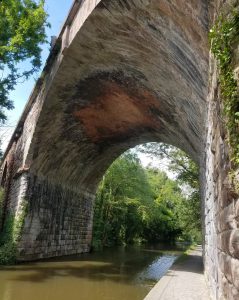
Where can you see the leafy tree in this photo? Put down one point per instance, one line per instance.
(163, 222)
(133, 203)
(121, 202)
(179, 162)
(22, 31)
(187, 174)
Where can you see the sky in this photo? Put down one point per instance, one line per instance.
(57, 11)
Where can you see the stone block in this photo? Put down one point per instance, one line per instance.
(233, 293)
(237, 211)
(225, 289)
(234, 243)
(227, 267)
(227, 218)
(235, 272)
(224, 239)
(221, 260)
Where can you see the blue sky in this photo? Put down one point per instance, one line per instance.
(57, 10)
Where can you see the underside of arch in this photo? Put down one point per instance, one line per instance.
(136, 71)
(129, 73)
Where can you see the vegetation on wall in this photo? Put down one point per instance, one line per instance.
(11, 234)
(2, 196)
(224, 35)
(136, 204)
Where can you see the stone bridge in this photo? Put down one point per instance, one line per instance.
(122, 73)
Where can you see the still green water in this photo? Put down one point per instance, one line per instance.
(120, 273)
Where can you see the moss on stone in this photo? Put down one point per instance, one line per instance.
(224, 36)
(2, 196)
(11, 234)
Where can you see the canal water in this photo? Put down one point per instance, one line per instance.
(117, 273)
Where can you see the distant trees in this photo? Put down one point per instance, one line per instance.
(22, 31)
(121, 203)
(137, 204)
(163, 218)
(187, 176)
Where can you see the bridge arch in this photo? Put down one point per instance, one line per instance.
(121, 73)
(134, 72)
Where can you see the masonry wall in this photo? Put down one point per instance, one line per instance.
(58, 222)
(15, 165)
(221, 200)
(58, 219)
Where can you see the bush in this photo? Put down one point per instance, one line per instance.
(10, 234)
(8, 253)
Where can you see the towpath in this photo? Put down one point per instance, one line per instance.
(184, 281)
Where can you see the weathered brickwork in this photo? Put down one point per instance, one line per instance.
(59, 221)
(123, 73)
(15, 161)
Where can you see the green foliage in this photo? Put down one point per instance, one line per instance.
(22, 31)
(7, 242)
(2, 195)
(163, 223)
(189, 214)
(223, 36)
(8, 253)
(121, 203)
(187, 175)
(137, 204)
(11, 234)
(186, 170)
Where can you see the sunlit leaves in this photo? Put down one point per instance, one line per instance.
(223, 36)
(22, 31)
(134, 203)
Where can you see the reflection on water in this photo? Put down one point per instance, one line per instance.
(114, 274)
(156, 269)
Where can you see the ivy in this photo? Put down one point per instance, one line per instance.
(224, 35)
(11, 234)
(2, 196)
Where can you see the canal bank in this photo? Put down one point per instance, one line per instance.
(183, 281)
